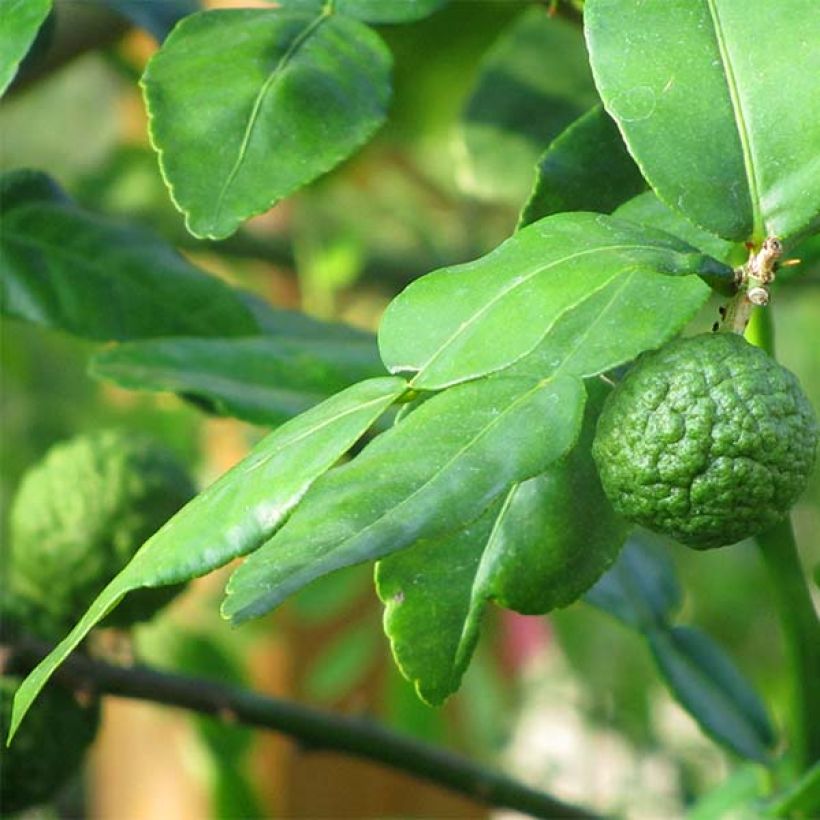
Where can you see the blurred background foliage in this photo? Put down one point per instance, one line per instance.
(571, 703)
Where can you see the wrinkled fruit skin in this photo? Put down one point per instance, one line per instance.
(81, 514)
(708, 440)
(48, 748)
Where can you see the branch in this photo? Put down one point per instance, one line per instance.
(314, 729)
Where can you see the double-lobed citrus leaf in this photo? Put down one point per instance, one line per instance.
(642, 591)
(467, 321)
(708, 98)
(433, 473)
(247, 105)
(540, 546)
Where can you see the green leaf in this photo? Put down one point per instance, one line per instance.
(261, 379)
(156, 18)
(636, 311)
(290, 95)
(647, 209)
(21, 22)
(430, 616)
(533, 82)
(235, 514)
(538, 548)
(586, 168)
(641, 590)
(713, 691)
(469, 320)
(432, 473)
(372, 11)
(65, 268)
(720, 122)
(558, 533)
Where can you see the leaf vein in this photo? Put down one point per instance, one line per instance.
(740, 120)
(253, 118)
(518, 283)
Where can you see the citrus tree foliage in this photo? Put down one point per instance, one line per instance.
(472, 483)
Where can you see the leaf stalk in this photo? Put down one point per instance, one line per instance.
(314, 729)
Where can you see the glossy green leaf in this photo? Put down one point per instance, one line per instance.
(235, 514)
(648, 209)
(261, 379)
(21, 22)
(469, 320)
(713, 691)
(712, 108)
(586, 168)
(431, 474)
(430, 616)
(532, 83)
(540, 547)
(641, 589)
(636, 311)
(289, 94)
(156, 18)
(372, 11)
(558, 533)
(65, 268)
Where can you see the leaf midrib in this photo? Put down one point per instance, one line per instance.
(582, 337)
(480, 594)
(744, 135)
(249, 610)
(319, 426)
(519, 282)
(253, 118)
(100, 271)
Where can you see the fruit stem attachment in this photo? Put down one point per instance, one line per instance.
(798, 618)
(753, 280)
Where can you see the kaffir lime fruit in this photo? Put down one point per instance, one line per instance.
(81, 514)
(708, 440)
(47, 749)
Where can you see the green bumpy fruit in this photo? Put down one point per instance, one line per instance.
(48, 748)
(81, 514)
(708, 440)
